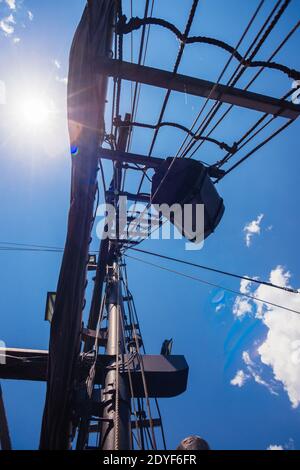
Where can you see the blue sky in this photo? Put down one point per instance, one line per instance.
(243, 390)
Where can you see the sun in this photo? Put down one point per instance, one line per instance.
(34, 112)
(36, 118)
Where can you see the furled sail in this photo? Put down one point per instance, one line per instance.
(86, 102)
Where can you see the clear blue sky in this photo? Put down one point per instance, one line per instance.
(217, 332)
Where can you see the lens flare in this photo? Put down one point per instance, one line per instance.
(74, 150)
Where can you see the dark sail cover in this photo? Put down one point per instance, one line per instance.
(86, 102)
(185, 181)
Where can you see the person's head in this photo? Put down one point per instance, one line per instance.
(193, 443)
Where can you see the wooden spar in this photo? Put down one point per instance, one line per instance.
(124, 157)
(197, 87)
(166, 375)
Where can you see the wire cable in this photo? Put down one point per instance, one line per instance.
(222, 145)
(234, 77)
(202, 281)
(185, 145)
(176, 66)
(168, 95)
(239, 72)
(215, 270)
(259, 146)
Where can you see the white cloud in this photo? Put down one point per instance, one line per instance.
(275, 447)
(219, 307)
(247, 359)
(239, 379)
(7, 25)
(11, 4)
(242, 306)
(252, 228)
(245, 286)
(57, 63)
(281, 348)
(290, 445)
(255, 371)
(63, 80)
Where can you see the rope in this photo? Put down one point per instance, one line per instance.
(141, 59)
(131, 388)
(222, 145)
(187, 146)
(145, 387)
(117, 415)
(259, 146)
(228, 156)
(135, 103)
(176, 66)
(135, 319)
(140, 358)
(136, 23)
(168, 94)
(232, 81)
(237, 74)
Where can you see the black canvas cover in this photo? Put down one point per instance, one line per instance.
(185, 181)
(86, 104)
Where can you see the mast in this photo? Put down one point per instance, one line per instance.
(115, 433)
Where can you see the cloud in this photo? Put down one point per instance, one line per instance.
(11, 4)
(63, 80)
(252, 228)
(59, 79)
(290, 445)
(7, 25)
(247, 359)
(242, 306)
(219, 307)
(57, 63)
(280, 350)
(239, 379)
(15, 15)
(255, 371)
(245, 286)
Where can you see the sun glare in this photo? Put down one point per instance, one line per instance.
(37, 118)
(34, 113)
